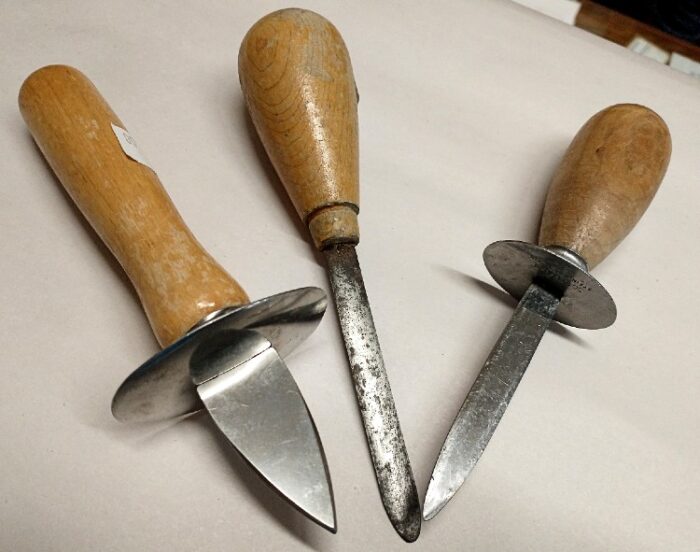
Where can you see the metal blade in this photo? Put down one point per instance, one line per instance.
(386, 445)
(489, 396)
(256, 403)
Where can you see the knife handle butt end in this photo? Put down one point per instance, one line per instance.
(299, 87)
(607, 179)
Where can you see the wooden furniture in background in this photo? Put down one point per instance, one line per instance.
(621, 29)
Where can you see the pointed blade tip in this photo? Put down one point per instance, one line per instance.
(321, 511)
(410, 530)
(431, 509)
(326, 519)
(332, 527)
(407, 519)
(437, 496)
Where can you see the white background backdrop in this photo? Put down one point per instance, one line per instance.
(466, 108)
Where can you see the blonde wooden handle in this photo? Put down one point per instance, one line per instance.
(606, 181)
(176, 279)
(298, 84)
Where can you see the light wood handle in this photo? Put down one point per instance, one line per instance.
(606, 181)
(176, 279)
(298, 84)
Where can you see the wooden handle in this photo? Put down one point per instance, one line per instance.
(297, 81)
(176, 279)
(606, 181)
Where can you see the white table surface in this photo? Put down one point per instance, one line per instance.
(466, 108)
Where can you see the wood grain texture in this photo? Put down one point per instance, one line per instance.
(176, 279)
(297, 81)
(607, 179)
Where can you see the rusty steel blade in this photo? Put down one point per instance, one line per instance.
(489, 396)
(386, 445)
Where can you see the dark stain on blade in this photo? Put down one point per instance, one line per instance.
(387, 448)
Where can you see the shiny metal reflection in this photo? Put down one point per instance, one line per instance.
(162, 388)
(256, 403)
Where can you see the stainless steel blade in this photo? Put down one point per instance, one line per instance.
(489, 396)
(256, 403)
(386, 445)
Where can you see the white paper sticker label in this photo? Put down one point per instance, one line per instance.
(128, 144)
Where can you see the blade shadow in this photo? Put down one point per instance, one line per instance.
(506, 299)
(240, 113)
(292, 520)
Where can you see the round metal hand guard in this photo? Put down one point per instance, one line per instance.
(584, 302)
(162, 387)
